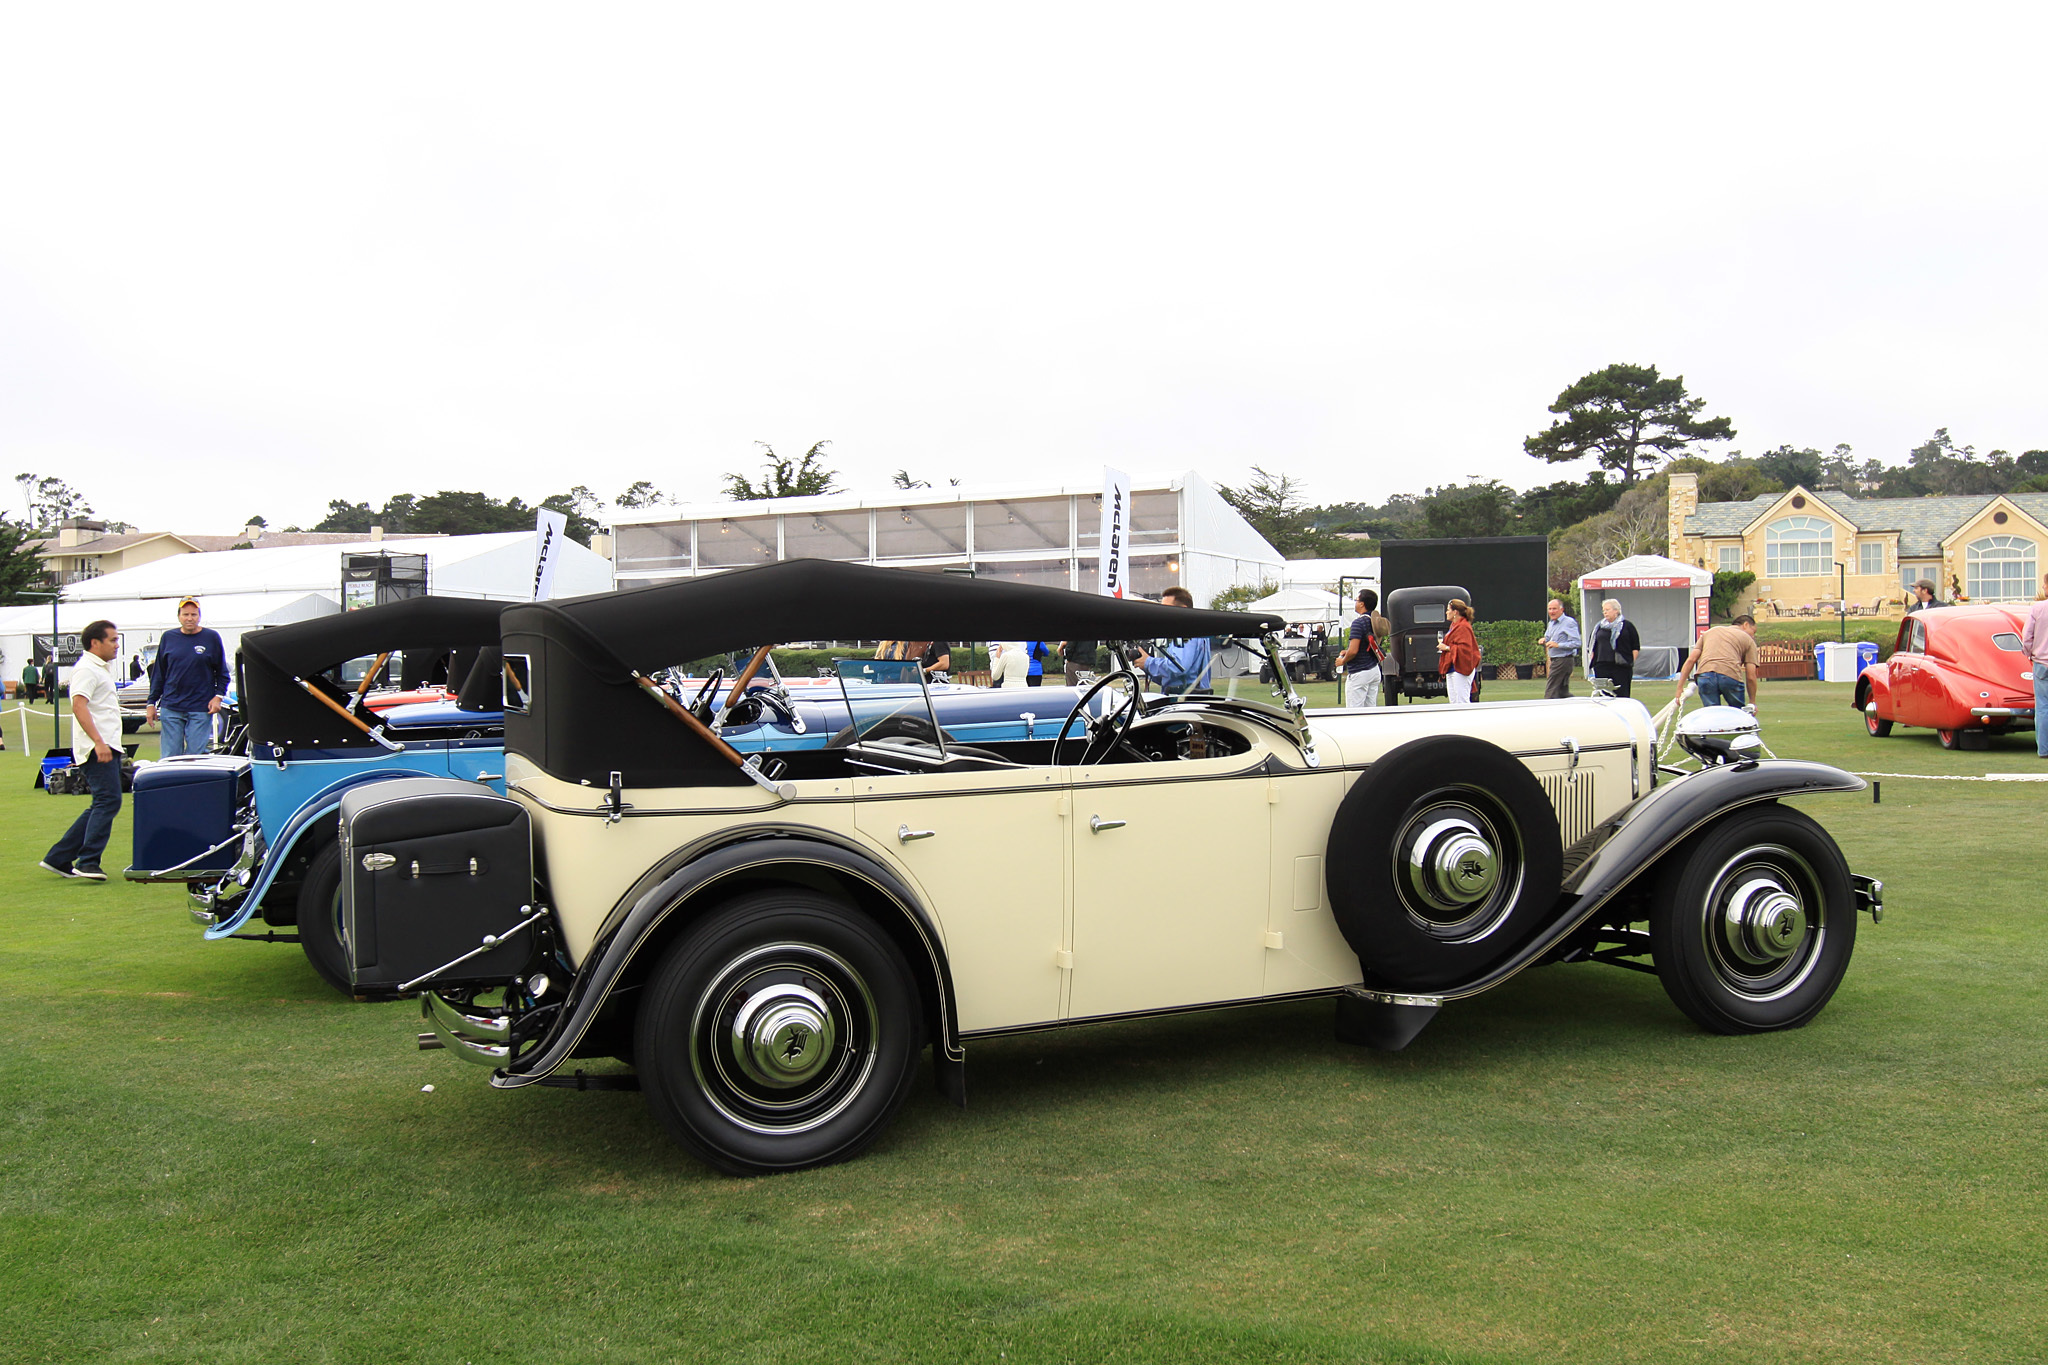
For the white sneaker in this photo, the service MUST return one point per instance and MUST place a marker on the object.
(60, 871)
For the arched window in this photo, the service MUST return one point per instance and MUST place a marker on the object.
(2000, 569)
(1799, 547)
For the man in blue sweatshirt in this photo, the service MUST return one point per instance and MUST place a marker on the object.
(187, 683)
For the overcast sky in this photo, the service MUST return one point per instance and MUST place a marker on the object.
(254, 258)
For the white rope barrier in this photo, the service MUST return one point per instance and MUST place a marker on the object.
(1963, 777)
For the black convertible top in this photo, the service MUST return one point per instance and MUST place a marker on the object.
(585, 721)
(811, 599)
(279, 710)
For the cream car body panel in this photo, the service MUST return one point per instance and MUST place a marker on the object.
(591, 861)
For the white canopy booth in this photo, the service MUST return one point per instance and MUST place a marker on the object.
(1667, 601)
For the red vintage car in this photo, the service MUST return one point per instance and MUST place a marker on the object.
(1959, 671)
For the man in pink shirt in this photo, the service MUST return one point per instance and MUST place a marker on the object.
(2034, 640)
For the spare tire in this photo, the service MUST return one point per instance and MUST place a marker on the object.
(1441, 861)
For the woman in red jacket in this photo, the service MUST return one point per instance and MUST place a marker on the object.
(1457, 658)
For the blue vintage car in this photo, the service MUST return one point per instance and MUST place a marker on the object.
(252, 834)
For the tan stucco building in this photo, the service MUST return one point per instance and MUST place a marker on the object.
(1804, 546)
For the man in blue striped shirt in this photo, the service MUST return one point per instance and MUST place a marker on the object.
(1561, 638)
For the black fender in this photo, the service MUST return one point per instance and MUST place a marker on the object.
(690, 870)
(1629, 843)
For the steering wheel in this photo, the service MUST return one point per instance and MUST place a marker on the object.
(1101, 736)
(710, 685)
(756, 707)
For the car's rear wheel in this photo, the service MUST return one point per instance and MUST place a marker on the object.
(1440, 861)
(1753, 922)
(780, 1032)
(320, 919)
(1878, 728)
(1950, 739)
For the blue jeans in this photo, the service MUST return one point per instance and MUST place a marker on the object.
(184, 732)
(1718, 689)
(2041, 710)
(83, 843)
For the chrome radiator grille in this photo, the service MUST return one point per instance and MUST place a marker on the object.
(1573, 800)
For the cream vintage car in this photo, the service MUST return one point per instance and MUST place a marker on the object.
(772, 940)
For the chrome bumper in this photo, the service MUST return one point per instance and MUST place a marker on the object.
(1996, 712)
(206, 904)
(1869, 893)
(483, 1039)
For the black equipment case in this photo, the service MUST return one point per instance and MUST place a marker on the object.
(433, 866)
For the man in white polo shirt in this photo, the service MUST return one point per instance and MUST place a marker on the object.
(96, 751)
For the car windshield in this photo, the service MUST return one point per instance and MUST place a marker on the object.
(887, 699)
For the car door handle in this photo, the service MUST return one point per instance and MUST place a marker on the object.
(1097, 824)
(904, 834)
(486, 777)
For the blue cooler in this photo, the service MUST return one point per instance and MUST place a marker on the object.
(183, 807)
(1866, 655)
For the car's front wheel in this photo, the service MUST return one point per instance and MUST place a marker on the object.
(1754, 922)
(780, 1032)
(1878, 728)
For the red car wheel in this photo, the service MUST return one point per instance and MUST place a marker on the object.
(1950, 739)
(1878, 728)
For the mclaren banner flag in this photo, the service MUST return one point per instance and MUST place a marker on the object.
(1116, 533)
(548, 530)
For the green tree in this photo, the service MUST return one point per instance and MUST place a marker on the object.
(343, 515)
(1242, 595)
(785, 478)
(1474, 508)
(49, 500)
(1735, 479)
(1791, 468)
(1635, 525)
(901, 479)
(21, 569)
(258, 522)
(642, 494)
(1272, 504)
(1627, 418)
(1557, 505)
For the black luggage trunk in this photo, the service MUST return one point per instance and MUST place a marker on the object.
(432, 867)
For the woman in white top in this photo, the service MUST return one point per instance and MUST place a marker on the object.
(1009, 664)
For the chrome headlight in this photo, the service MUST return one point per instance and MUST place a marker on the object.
(1721, 734)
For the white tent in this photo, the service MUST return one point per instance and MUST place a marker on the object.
(498, 565)
(1666, 599)
(1301, 605)
(142, 621)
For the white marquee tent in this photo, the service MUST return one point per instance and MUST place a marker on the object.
(498, 565)
(143, 620)
(1667, 601)
(244, 590)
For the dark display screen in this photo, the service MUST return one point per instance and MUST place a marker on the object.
(1509, 575)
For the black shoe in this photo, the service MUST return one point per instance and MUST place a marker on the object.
(60, 871)
(91, 874)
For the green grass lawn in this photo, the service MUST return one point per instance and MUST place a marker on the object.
(205, 1155)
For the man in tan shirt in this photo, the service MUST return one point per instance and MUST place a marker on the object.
(1722, 660)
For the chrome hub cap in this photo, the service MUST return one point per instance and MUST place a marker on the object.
(783, 1036)
(1457, 865)
(1766, 922)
